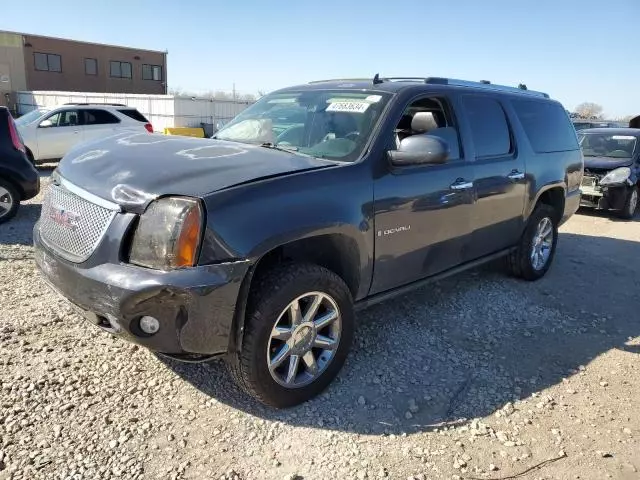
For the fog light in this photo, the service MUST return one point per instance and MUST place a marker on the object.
(149, 325)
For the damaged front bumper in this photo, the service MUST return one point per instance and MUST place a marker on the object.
(195, 307)
(610, 197)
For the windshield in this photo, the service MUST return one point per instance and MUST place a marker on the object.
(607, 145)
(322, 123)
(30, 117)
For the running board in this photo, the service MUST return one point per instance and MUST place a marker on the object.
(396, 292)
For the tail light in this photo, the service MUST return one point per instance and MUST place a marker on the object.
(149, 127)
(15, 136)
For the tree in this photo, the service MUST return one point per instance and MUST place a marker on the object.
(589, 110)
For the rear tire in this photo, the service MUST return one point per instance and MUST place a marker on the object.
(9, 201)
(534, 254)
(630, 205)
(314, 347)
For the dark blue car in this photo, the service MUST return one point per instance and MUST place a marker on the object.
(611, 169)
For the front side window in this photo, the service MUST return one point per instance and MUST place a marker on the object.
(320, 123)
(489, 127)
(429, 116)
(120, 69)
(47, 62)
(607, 145)
(66, 118)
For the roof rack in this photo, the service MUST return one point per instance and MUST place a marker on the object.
(521, 88)
(485, 84)
(96, 103)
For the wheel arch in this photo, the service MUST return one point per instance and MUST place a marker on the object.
(337, 252)
(553, 195)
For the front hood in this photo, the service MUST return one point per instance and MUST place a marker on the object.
(135, 168)
(606, 163)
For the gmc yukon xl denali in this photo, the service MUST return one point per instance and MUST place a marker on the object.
(259, 244)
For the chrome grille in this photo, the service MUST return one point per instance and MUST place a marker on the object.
(72, 225)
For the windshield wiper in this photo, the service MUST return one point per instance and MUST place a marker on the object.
(282, 148)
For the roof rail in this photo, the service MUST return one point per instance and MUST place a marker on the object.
(96, 103)
(485, 84)
(341, 80)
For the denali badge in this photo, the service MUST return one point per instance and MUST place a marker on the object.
(63, 217)
(390, 231)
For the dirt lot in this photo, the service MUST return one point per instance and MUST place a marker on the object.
(480, 376)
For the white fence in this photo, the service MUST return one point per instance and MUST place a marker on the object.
(161, 110)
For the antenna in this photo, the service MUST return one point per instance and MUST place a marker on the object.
(376, 79)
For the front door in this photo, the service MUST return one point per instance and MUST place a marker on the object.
(500, 175)
(422, 214)
(57, 133)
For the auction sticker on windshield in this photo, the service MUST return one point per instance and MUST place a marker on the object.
(356, 107)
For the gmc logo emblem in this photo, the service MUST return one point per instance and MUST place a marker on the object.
(65, 218)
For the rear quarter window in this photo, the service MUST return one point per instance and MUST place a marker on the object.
(135, 114)
(546, 125)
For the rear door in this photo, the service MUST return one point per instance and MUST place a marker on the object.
(57, 133)
(99, 123)
(499, 174)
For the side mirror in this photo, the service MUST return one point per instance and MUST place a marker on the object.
(420, 150)
(46, 124)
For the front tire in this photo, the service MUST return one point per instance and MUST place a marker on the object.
(9, 201)
(298, 332)
(534, 254)
(630, 205)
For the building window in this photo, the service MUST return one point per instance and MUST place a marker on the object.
(90, 66)
(47, 62)
(120, 69)
(152, 72)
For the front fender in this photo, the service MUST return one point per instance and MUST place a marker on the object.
(251, 220)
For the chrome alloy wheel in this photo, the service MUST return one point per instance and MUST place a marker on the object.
(304, 340)
(542, 244)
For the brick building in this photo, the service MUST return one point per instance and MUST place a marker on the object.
(34, 62)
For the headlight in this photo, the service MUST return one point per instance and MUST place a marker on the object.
(619, 175)
(168, 234)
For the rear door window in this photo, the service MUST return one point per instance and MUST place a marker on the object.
(99, 117)
(489, 127)
(135, 114)
(546, 125)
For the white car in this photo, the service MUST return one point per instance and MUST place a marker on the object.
(49, 133)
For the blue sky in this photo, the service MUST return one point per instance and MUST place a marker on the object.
(574, 50)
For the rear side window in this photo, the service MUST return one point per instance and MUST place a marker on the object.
(99, 117)
(547, 126)
(489, 127)
(135, 114)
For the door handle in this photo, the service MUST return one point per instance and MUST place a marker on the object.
(461, 185)
(516, 175)
(76, 131)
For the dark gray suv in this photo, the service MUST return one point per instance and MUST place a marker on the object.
(259, 244)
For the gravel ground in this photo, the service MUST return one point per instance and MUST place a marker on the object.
(479, 376)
